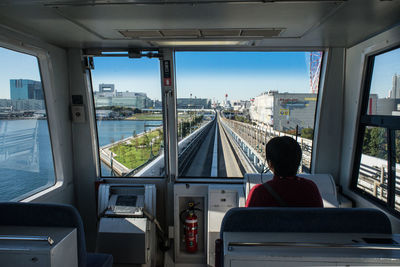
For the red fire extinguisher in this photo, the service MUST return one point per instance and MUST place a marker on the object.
(190, 226)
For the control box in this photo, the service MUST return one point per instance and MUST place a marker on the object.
(124, 230)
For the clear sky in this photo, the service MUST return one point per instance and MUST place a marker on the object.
(241, 75)
(14, 65)
(385, 66)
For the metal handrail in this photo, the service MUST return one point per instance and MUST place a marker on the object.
(48, 239)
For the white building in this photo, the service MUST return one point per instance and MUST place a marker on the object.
(241, 105)
(284, 111)
(261, 109)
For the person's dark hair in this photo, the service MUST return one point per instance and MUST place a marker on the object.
(284, 155)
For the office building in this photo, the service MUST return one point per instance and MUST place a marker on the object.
(284, 111)
(22, 89)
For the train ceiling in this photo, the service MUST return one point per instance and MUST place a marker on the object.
(150, 23)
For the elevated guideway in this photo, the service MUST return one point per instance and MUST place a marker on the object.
(214, 156)
(217, 148)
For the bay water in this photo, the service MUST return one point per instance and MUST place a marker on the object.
(26, 161)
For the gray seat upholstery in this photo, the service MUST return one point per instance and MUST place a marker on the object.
(307, 220)
(56, 215)
(301, 220)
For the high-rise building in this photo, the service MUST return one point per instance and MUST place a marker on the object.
(22, 89)
(395, 92)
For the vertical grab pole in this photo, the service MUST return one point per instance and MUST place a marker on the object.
(168, 88)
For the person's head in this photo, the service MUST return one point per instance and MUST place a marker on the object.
(283, 156)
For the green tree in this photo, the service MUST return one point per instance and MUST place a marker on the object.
(367, 141)
(307, 133)
(377, 144)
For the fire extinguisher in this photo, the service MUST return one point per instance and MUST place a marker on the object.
(190, 227)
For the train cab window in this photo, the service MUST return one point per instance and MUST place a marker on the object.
(26, 160)
(231, 103)
(378, 150)
(127, 97)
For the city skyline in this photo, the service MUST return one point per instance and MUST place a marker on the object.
(242, 75)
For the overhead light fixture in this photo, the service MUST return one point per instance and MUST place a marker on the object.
(202, 34)
(198, 43)
(59, 3)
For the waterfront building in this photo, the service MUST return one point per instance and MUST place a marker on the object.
(107, 96)
(22, 89)
(28, 104)
(22, 105)
(193, 103)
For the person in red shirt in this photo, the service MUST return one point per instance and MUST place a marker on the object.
(285, 189)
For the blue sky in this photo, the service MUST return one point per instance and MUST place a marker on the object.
(14, 65)
(385, 66)
(242, 75)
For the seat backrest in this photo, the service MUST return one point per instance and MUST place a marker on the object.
(51, 215)
(324, 182)
(306, 220)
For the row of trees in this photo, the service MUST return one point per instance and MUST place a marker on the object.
(120, 109)
(244, 119)
(375, 143)
(184, 127)
(307, 133)
(139, 149)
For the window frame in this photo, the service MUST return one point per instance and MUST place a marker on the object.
(89, 61)
(170, 130)
(387, 122)
(325, 53)
(43, 60)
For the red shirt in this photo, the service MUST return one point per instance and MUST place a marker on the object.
(294, 191)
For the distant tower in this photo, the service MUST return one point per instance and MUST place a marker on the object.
(395, 92)
(103, 88)
(315, 70)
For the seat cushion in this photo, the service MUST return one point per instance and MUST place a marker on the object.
(45, 214)
(306, 220)
(99, 260)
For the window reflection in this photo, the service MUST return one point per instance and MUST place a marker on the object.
(26, 162)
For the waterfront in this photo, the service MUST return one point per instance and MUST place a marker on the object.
(26, 162)
(111, 131)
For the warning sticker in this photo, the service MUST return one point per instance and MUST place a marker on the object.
(284, 112)
(310, 99)
(167, 72)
